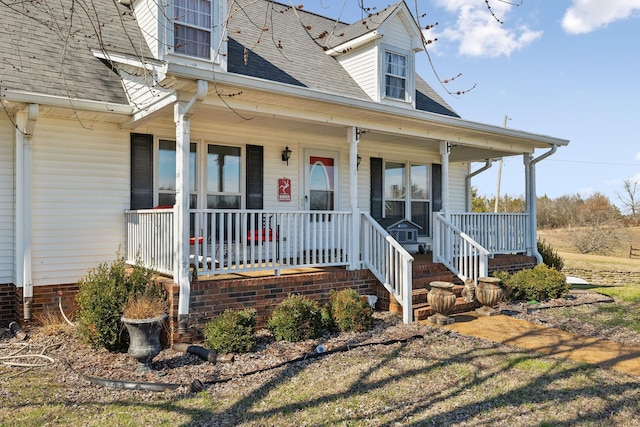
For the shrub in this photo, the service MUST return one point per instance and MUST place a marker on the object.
(349, 311)
(539, 283)
(296, 318)
(231, 331)
(102, 294)
(550, 257)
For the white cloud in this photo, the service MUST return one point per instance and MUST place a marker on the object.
(480, 34)
(584, 16)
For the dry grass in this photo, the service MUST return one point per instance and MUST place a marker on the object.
(145, 307)
(53, 323)
(617, 260)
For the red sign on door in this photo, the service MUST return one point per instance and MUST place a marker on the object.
(284, 190)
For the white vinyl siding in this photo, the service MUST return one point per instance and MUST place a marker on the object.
(7, 202)
(396, 34)
(147, 14)
(361, 65)
(457, 192)
(80, 192)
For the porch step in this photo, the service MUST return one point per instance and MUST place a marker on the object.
(423, 310)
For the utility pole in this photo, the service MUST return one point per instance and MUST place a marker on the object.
(495, 205)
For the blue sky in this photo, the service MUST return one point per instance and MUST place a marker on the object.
(568, 69)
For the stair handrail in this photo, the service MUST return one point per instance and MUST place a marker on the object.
(389, 262)
(452, 247)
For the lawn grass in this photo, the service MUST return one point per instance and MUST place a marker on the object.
(442, 379)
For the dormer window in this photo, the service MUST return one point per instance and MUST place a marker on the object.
(192, 27)
(395, 75)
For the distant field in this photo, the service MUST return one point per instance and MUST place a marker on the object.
(618, 259)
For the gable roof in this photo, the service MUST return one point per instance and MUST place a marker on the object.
(287, 45)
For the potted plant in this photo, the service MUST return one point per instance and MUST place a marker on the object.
(143, 316)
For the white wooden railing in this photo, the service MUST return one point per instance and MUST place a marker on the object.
(499, 233)
(251, 240)
(225, 241)
(389, 262)
(458, 251)
(150, 238)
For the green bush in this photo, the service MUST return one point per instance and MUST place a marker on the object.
(550, 256)
(539, 283)
(297, 318)
(349, 311)
(231, 331)
(102, 294)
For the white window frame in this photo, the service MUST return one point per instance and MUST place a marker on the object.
(407, 197)
(201, 192)
(409, 79)
(181, 20)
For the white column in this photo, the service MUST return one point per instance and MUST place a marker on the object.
(445, 150)
(181, 210)
(354, 252)
(25, 121)
(529, 183)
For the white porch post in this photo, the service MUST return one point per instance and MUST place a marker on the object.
(181, 211)
(182, 117)
(25, 125)
(445, 150)
(354, 251)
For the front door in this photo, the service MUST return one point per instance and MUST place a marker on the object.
(321, 196)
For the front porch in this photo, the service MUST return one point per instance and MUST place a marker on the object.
(262, 290)
(283, 248)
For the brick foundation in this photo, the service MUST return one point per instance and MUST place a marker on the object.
(211, 297)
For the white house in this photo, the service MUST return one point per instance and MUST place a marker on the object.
(212, 139)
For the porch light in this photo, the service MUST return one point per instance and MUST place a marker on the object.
(358, 160)
(286, 155)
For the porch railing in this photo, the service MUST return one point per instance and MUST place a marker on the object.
(150, 238)
(499, 233)
(228, 241)
(458, 251)
(389, 262)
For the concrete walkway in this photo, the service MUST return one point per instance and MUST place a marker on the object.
(520, 333)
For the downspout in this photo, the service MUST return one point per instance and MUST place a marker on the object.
(533, 225)
(182, 118)
(467, 183)
(24, 201)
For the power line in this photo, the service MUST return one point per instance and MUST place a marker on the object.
(593, 163)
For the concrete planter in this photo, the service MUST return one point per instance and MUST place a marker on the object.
(442, 300)
(144, 340)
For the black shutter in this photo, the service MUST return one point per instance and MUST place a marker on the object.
(436, 187)
(255, 176)
(141, 171)
(376, 187)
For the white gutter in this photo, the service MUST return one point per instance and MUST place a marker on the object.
(467, 181)
(11, 95)
(533, 225)
(181, 71)
(23, 209)
(182, 113)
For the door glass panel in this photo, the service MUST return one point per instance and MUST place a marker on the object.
(394, 180)
(167, 173)
(321, 183)
(419, 182)
(420, 215)
(223, 177)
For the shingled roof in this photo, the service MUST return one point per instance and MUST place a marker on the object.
(48, 50)
(277, 42)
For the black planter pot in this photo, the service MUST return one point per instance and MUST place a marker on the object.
(144, 340)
